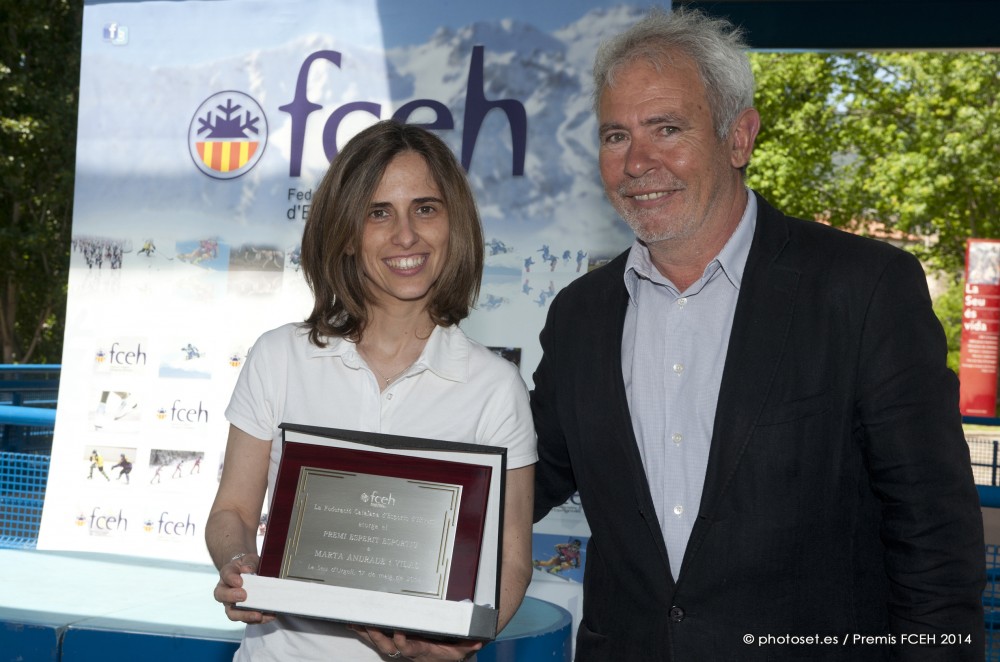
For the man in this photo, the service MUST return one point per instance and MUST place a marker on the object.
(97, 462)
(124, 468)
(754, 409)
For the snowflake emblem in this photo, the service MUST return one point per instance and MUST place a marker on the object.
(227, 134)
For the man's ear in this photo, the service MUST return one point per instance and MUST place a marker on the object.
(743, 136)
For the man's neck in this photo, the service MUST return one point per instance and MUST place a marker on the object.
(683, 260)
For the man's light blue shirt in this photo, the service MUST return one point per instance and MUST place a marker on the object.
(673, 351)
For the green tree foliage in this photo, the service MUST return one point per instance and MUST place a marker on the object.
(39, 82)
(794, 161)
(909, 139)
(948, 307)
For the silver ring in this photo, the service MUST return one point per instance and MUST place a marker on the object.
(395, 655)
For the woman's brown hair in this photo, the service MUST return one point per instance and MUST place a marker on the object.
(331, 241)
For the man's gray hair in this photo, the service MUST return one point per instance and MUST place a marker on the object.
(716, 46)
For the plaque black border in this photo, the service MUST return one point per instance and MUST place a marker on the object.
(474, 478)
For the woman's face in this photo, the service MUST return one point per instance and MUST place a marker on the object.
(405, 242)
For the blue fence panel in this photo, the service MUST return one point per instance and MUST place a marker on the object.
(28, 395)
(991, 603)
(984, 450)
(32, 385)
(22, 493)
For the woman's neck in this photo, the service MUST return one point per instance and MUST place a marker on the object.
(392, 343)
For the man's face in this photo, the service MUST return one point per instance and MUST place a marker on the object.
(664, 168)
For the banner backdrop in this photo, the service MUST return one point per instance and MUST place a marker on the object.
(979, 356)
(203, 128)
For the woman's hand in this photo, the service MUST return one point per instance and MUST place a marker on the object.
(230, 590)
(402, 647)
(232, 523)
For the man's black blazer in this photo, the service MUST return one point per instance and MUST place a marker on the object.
(838, 500)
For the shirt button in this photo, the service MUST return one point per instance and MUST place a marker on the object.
(682, 302)
(388, 396)
(676, 614)
(678, 368)
(676, 438)
(678, 510)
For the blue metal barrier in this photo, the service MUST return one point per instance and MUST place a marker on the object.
(984, 450)
(991, 603)
(25, 448)
(28, 416)
(989, 496)
(28, 395)
(26, 429)
(22, 493)
(34, 385)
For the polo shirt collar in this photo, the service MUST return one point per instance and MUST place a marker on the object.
(446, 353)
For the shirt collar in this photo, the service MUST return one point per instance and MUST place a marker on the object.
(446, 353)
(732, 259)
(733, 256)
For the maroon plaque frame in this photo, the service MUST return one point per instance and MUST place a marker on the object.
(384, 459)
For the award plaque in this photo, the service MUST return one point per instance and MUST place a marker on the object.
(397, 539)
(383, 530)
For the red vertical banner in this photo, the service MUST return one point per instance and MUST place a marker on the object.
(980, 328)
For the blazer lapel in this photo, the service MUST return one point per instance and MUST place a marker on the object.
(760, 326)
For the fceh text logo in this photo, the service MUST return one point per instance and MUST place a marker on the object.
(184, 413)
(170, 525)
(126, 354)
(103, 522)
(229, 129)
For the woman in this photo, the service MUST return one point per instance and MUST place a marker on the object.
(393, 253)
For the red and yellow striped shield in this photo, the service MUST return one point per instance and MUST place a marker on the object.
(225, 156)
